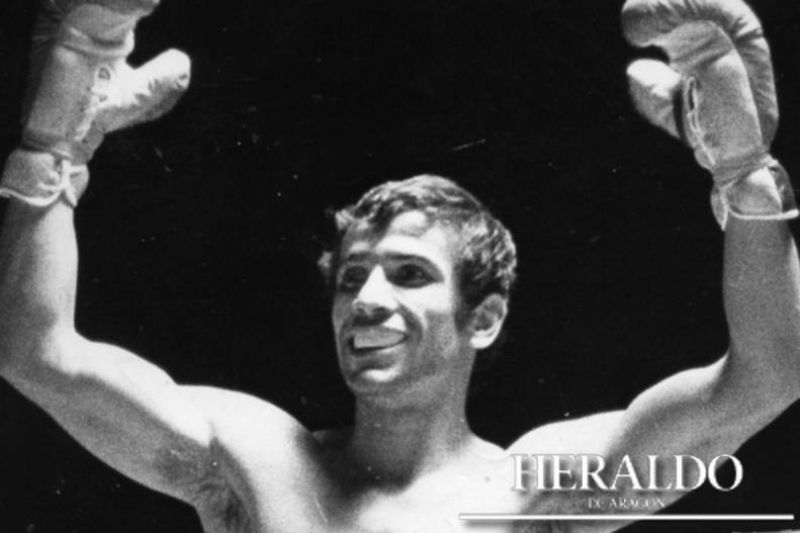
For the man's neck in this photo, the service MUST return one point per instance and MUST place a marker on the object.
(397, 444)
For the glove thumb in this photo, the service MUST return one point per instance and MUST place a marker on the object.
(145, 93)
(654, 87)
(134, 96)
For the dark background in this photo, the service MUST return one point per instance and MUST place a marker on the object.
(199, 234)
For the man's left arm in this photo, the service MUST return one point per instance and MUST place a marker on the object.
(713, 410)
(761, 287)
(720, 71)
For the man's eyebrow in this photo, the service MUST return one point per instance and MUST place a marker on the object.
(355, 257)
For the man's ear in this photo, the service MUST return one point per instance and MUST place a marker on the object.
(487, 320)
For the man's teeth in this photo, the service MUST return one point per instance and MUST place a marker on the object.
(376, 338)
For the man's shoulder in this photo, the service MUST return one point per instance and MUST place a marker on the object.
(584, 435)
(240, 420)
(256, 446)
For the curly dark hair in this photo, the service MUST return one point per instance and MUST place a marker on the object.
(487, 258)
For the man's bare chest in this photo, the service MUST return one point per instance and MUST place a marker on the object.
(314, 501)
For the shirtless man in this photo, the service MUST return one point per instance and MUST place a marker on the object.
(421, 280)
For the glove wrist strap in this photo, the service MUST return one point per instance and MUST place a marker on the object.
(40, 179)
(762, 192)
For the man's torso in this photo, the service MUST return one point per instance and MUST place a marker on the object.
(268, 479)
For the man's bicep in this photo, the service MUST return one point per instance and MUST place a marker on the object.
(680, 414)
(124, 410)
(705, 412)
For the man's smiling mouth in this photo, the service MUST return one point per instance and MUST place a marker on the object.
(376, 338)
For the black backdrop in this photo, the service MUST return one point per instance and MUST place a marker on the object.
(199, 234)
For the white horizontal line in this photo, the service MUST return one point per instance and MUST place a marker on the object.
(497, 517)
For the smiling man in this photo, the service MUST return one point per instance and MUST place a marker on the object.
(421, 278)
(422, 270)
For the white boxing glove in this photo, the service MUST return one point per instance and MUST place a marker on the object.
(81, 88)
(717, 93)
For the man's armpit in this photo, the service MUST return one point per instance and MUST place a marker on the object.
(182, 467)
(219, 506)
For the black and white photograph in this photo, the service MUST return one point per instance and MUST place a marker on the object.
(405, 266)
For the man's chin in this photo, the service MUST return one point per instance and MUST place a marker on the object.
(374, 381)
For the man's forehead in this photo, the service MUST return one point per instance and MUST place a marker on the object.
(411, 229)
(411, 223)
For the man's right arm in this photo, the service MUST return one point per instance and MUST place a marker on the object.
(123, 409)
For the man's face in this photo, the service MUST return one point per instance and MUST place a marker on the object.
(395, 308)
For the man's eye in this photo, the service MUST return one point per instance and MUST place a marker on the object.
(352, 278)
(412, 276)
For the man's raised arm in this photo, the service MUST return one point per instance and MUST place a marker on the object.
(720, 76)
(717, 94)
(123, 409)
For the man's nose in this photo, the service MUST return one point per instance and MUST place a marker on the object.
(376, 297)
